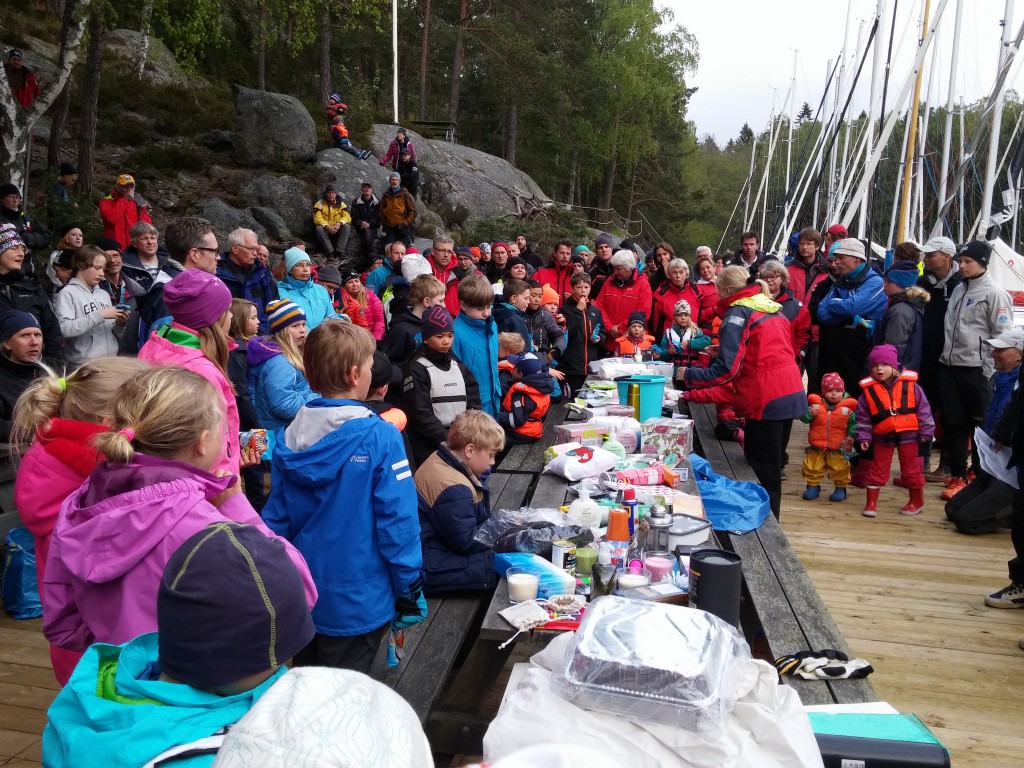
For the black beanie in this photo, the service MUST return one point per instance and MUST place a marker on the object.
(231, 604)
(978, 250)
(107, 244)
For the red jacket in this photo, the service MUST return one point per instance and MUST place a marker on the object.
(28, 91)
(619, 299)
(803, 278)
(665, 298)
(119, 214)
(557, 277)
(708, 293)
(451, 284)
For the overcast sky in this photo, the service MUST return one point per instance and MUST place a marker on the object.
(747, 47)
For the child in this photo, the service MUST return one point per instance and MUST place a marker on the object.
(636, 339)
(902, 325)
(508, 344)
(584, 328)
(510, 315)
(155, 489)
(381, 376)
(833, 420)
(339, 136)
(342, 492)
(403, 337)
(59, 418)
(893, 415)
(231, 613)
(245, 325)
(369, 305)
(454, 502)
(298, 287)
(83, 309)
(438, 385)
(476, 341)
(683, 340)
(526, 403)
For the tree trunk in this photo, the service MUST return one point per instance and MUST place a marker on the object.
(325, 56)
(18, 122)
(424, 60)
(460, 35)
(90, 101)
(573, 176)
(144, 29)
(511, 132)
(261, 50)
(609, 184)
(61, 107)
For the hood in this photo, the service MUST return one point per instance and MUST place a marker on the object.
(750, 297)
(915, 299)
(70, 441)
(472, 322)
(302, 286)
(856, 276)
(541, 381)
(324, 435)
(260, 350)
(503, 310)
(124, 511)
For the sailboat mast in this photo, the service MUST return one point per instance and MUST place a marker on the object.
(997, 118)
(819, 160)
(789, 142)
(901, 233)
(947, 138)
(877, 68)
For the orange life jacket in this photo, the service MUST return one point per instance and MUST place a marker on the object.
(895, 410)
(830, 427)
(397, 417)
(534, 424)
(627, 346)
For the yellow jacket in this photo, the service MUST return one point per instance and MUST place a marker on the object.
(325, 214)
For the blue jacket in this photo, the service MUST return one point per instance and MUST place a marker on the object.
(381, 277)
(313, 298)
(88, 728)
(254, 283)
(510, 319)
(277, 389)
(476, 345)
(343, 494)
(453, 504)
(856, 298)
(1002, 388)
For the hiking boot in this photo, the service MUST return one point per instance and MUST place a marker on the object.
(812, 492)
(1007, 597)
(915, 504)
(839, 494)
(953, 487)
(938, 475)
(871, 505)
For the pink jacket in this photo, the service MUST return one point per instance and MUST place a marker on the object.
(113, 539)
(161, 351)
(374, 314)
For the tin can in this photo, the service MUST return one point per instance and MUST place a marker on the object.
(563, 555)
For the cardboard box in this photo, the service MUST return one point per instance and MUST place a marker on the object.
(667, 436)
(587, 434)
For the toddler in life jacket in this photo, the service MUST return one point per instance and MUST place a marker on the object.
(832, 416)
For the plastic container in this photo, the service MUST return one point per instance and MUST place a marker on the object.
(687, 530)
(584, 511)
(632, 577)
(651, 390)
(661, 369)
(651, 661)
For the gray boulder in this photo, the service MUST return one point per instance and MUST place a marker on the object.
(271, 219)
(271, 126)
(292, 198)
(161, 66)
(347, 173)
(225, 219)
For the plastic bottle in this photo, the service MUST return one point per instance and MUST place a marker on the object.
(584, 511)
(603, 574)
(618, 536)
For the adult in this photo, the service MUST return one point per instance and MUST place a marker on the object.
(121, 289)
(21, 79)
(146, 254)
(849, 308)
(400, 143)
(559, 270)
(776, 277)
(750, 256)
(22, 292)
(397, 212)
(500, 254)
(526, 252)
(663, 254)
(33, 234)
(941, 275)
(366, 217)
(380, 279)
(978, 309)
(833, 235)
(601, 266)
(333, 223)
(241, 271)
(807, 269)
(985, 505)
(409, 171)
(70, 237)
(581, 251)
(516, 269)
(121, 209)
(442, 265)
(624, 293)
(707, 288)
(67, 178)
(298, 287)
(756, 356)
(902, 325)
(21, 349)
(676, 286)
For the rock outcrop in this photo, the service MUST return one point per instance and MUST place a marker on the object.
(271, 126)
(292, 198)
(161, 66)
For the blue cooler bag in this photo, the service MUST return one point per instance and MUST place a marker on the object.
(21, 587)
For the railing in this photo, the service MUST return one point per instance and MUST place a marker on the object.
(637, 229)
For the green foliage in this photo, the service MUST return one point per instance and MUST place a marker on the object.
(542, 233)
(157, 160)
(174, 111)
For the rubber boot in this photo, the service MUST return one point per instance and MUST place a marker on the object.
(839, 494)
(812, 492)
(871, 505)
(916, 503)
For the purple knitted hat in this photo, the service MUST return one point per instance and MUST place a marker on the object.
(196, 299)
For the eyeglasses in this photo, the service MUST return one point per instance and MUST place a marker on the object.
(204, 248)
(250, 248)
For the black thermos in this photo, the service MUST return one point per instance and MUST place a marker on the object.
(715, 578)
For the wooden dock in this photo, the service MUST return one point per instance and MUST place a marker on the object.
(907, 593)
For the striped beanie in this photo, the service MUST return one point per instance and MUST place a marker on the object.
(282, 313)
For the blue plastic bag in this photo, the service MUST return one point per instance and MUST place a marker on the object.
(21, 587)
(731, 505)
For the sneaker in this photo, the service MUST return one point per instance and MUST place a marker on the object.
(953, 487)
(937, 475)
(1007, 597)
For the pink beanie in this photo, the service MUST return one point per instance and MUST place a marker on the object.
(884, 353)
(196, 299)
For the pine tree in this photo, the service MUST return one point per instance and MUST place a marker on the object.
(804, 114)
(746, 135)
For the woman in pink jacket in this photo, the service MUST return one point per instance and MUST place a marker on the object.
(157, 487)
(57, 419)
(198, 339)
(372, 309)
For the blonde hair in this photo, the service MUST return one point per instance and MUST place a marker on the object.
(239, 310)
(476, 428)
(360, 296)
(289, 349)
(424, 287)
(214, 345)
(732, 279)
(331, 350)
(511, 343)
(160, 412)
(86, 394)
(475, 292)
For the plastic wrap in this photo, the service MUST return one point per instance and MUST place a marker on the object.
(650, 661)
(529, 530)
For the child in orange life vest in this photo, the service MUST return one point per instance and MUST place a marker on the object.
(381, 376)
(636, 339)
(684, 340)
(893, 415)
(339, 135)
(832, 416)
(526, 403)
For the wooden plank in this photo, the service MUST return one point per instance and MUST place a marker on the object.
(551, 491)
(514, 494)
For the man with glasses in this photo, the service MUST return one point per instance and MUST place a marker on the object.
(122, 209)
(244, 274)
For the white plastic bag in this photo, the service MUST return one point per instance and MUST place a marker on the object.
(576, 462)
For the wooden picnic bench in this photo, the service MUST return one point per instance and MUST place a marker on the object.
(780, 601)
(437, 129)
